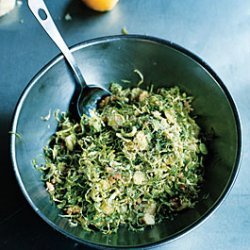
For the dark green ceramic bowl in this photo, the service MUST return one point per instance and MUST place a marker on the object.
(111, 59)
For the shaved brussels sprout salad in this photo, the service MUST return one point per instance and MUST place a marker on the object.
(136, 161)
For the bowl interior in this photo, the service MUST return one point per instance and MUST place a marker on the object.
(110, 60)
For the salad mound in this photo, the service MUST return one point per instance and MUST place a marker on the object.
(137, 160)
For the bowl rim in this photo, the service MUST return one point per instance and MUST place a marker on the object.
(149, 39)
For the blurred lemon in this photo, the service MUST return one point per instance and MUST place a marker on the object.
(101, 5)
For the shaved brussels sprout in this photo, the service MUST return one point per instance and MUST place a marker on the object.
(137, 160)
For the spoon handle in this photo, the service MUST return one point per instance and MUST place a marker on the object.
(40, 11)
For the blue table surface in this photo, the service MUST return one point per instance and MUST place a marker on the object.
(217, 31)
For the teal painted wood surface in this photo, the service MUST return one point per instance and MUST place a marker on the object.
(217, 31)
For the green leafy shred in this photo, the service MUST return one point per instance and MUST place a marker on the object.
(46, 117)
(17, 135)
(135, 161)
(124, 31)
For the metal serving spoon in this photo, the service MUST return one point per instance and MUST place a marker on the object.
(88, 95)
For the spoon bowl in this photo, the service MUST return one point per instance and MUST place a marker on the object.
(88, 100)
